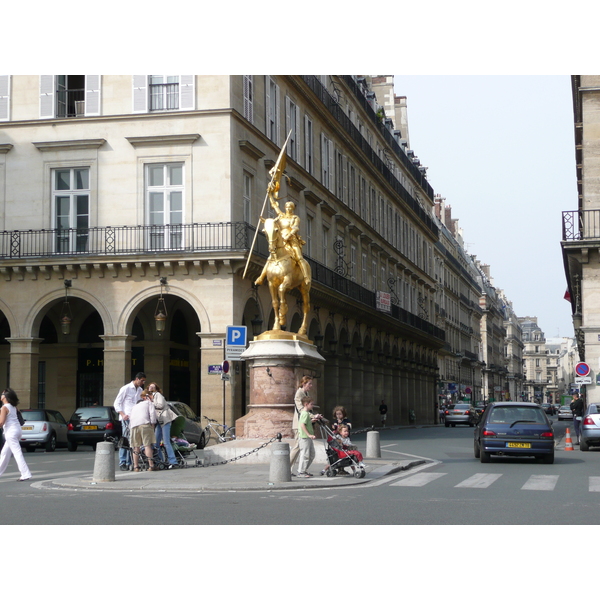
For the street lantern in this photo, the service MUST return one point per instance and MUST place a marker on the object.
(161, 314)
(66, 317)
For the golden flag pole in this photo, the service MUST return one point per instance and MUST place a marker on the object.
(278, 168)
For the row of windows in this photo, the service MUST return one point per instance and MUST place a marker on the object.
(337, 173)
(64, 96)
(164, 205)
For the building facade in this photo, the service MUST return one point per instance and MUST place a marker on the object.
(124, 198)
(581, 229)
(458, 312)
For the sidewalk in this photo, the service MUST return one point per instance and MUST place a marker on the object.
(233, 477)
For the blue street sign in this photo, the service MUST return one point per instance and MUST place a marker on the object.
(236, 336)
(235, 342)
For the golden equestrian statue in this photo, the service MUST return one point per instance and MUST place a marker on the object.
(285, 268)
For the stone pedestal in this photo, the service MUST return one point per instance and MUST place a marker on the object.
(277, 361)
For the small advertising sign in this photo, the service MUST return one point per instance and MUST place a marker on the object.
(384, 301)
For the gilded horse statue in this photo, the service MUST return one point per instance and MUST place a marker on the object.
(284, 272)
(286, 268)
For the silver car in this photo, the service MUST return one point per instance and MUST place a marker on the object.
(43, 428)
(590, 428)
(565, 413)
(461, 414)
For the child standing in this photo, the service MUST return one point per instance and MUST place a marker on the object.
(306, 435)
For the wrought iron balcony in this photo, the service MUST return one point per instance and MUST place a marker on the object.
(192, 238)
(113, 241)
(581, 225)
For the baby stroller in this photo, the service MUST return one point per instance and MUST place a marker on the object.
(338, 457)
(184, 451)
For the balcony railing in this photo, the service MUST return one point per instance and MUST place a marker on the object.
(110, 241)
(581, 225)
(180, 239)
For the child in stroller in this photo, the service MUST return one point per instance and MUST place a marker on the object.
(184, 451)
(342, 453)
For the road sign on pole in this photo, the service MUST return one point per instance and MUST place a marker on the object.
(235, 341)
(582, 369)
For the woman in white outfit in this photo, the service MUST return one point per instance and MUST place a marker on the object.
(12, 434)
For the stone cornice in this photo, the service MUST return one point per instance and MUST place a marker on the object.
(55, 145)
(163, 140)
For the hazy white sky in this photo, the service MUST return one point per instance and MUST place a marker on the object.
(500, 150)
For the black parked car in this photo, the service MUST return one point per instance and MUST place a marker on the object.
(514, 429)
(89, 424)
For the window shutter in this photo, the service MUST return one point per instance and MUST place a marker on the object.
(345, 179)
(46, 96)
(331, 167)
(140, 93)
(248, 93)
(92, 95)
(323, 160)
(277, 115)
(267, 105)
(287, 122)
(187, 92)
(298, 136)
(4, 97)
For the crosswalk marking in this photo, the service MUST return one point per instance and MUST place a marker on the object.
(419, 480)
(541, 483)
(479, 480)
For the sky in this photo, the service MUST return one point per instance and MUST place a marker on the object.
(500, 150)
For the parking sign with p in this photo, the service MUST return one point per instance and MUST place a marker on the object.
(235, 341)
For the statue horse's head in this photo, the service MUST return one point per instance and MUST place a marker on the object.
(272, 232)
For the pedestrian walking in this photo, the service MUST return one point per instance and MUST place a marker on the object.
(577, 408)
(164, 417)
(383, 412)
(12, 435)
(126, 399)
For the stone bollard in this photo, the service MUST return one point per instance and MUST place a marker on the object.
(280, 463)
(373, 447)
(104, 464)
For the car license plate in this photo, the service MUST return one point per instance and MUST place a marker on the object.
(517, 445)
(90, 427)
(26, 428)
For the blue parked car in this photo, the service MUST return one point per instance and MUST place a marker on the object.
(514, 429)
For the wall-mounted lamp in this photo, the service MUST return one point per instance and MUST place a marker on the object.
(333, 346)
(360, 351)
(65, 316)
(347, 349)
(161, 314)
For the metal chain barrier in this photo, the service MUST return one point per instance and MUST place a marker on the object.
(224, 462)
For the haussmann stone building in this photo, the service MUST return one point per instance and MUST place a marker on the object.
(128, 207)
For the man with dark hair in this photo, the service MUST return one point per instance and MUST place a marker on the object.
(126, 399)
(577, 408)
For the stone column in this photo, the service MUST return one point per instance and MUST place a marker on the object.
(117, 364)
(216, 399)
(24, 358)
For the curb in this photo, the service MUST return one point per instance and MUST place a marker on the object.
(150, 484)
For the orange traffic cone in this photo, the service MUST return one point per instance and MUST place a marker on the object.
(568, 443)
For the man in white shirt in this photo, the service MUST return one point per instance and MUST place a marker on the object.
(126, 399)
